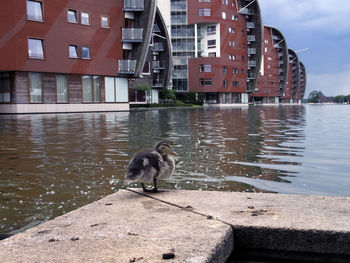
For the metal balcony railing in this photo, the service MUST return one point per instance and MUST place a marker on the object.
(157, 84)
(251, 63)
(157, 47)
(134, 5)
(251, 76)
(250, 25)
(158, 65)
(126, 66)
(132, 34)
(251, 51)
(247, 11)
(251, 38)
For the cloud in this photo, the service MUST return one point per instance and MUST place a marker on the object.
(329, 84)
(312, 15)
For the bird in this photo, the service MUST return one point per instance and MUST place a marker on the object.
(150, 165)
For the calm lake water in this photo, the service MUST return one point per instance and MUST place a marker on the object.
(52, 164)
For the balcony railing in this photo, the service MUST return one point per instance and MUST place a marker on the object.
(126, 66)
(251, 51)
(251, 76)
(158, 65)
(134, 5)
(251, 63)
(132, 34)
(251, 38)
(157, 85)
(157, 47)
(247, 11)
(250, 25)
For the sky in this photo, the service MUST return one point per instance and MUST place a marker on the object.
(322, 27)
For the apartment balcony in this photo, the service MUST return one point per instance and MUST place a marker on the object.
(251, 38)
(277, 38)
(126, 66)
(133, 35)
(280, 62)
(178, 6)
(134, 5)
(156, 65)
(280, 54)
(251, 76)
(157, 47)
(250, 25)
(280, 70)
(278, 46)
(251, 51)
(251, 63)
(281, 78)
(156, 29)
(247, 11)
(157, 84)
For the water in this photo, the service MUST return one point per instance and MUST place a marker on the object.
(52, 164)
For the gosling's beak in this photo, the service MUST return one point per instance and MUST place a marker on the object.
(173, 153)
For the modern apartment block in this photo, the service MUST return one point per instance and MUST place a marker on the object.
(274, 71)
(293, 84)
(79, 55)
(217, 48)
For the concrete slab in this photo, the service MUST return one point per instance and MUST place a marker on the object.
(317, 224)
(123, 227)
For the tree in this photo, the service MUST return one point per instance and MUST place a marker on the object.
(167, 94)
(340, 99)
(314, 96)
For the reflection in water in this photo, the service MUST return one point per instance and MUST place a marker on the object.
(51, 164)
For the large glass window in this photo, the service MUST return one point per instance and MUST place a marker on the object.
(5, 95)
(109, 89)
(35, 48)
(87, 88)
(62, 88)
(96, 84)
(35, 87)
(34, 10)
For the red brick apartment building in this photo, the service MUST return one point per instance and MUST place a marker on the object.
(216, 48)
(274, 70)
(222, 50)
(290, 94)
(80, 55)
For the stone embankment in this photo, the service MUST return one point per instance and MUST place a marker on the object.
(191, 226)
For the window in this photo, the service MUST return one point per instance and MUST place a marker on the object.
(225, 2)
(223, 15)
(105, 21)
(224, 83)
(205, 68)
(206, 1)
(86, 84)
(235, 84)
(231, 30)
(224, 70)
(116, 89)
(204, 11)
(72, 16)
(269, 58)
(211, 30)
(84, 18)
(73, 51)
(266, 50)
(231, 57)
(35, 48)
(235, 18)
(91, 88)
(205, 82)
(235, 71)
(62, 88)
(34, 10)
(147, 68)
(266, 41)
(5, 90)
(212, 43)
(231, 43)
(85, 52)
(35, 87)
(212, 54)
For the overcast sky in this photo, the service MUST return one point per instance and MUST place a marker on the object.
(323, 26)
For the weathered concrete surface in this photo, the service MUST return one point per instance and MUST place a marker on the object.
(122, 227)
(298, 223)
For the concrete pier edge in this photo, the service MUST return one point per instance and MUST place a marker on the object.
(194, 226)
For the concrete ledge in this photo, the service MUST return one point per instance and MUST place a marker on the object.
(123, 227)
(195, 226)
(298, 223)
